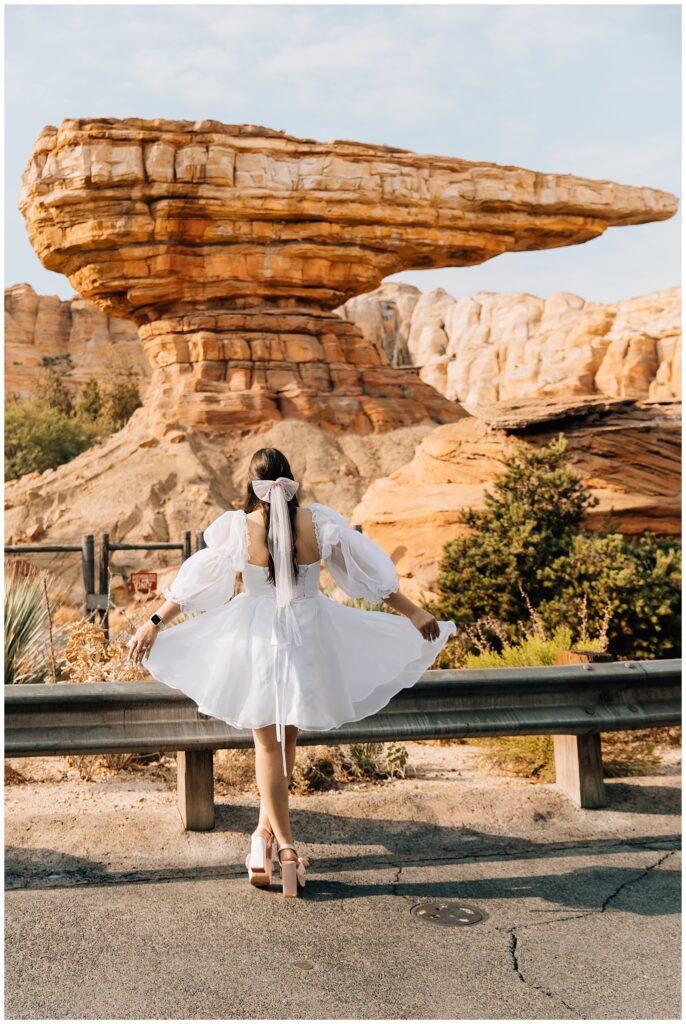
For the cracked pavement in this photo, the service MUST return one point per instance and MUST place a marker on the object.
(113, 911)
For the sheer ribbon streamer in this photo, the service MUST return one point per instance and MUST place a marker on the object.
(285, 627)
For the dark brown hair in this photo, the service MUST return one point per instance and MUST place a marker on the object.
(268, 464)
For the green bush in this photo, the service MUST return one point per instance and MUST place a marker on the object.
(38, 437)
(638, 583)
(46, 430)
(531, 650)
(528, 547)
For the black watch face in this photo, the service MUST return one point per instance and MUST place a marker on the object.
(156, 619)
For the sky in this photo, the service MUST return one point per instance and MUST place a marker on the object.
(591, 90)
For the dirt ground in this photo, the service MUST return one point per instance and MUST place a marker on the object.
(58, 825)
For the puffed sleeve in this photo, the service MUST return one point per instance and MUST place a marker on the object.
(206, 579)
(358, 564)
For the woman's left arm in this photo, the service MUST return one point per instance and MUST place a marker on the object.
(424, 621)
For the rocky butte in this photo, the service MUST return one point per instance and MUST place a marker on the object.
(230, 245)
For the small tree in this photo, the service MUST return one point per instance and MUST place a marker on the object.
(528, 547)
(90, 400)
(537, 506)
(52, 391)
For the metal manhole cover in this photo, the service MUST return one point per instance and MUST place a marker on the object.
(448, 913)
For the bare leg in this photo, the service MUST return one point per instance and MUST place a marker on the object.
(273, 784)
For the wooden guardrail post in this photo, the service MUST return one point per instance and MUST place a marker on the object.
(579, 759)
(195, 788)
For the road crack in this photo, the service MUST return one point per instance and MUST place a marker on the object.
(530, 984)
(514, 941)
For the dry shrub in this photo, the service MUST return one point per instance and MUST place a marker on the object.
(234, 770)
(157, 765)
(13, 777)
(90, 657)
(636, 752)
(531, 757)
(317, 768)
(324, 767)
(625, 753)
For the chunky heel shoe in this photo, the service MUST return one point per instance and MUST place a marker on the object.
(293, 872)
(259, 861)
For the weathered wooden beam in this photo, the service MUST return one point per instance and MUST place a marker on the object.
(195, 788)
(579, 759)
(579, 769)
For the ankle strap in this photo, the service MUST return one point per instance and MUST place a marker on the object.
(285, 846)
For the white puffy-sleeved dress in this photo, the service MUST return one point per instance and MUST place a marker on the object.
(235, 664)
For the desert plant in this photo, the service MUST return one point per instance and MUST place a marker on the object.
(29, 643)
(90, 400)
(53, 392)
(119, 403)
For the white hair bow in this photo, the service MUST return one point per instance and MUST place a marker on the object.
(279, 539)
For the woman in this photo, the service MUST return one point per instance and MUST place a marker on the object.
(280, 656)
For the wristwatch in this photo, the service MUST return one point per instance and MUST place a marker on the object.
(156, 619)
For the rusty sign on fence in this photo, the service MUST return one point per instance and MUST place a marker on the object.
(142, 582)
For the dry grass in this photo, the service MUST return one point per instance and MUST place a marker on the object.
(317, 768)
(632, 752)
(89, 657)
(13, 777)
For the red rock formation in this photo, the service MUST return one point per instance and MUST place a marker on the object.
(230, 245)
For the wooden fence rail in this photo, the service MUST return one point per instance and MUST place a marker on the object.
(97, 601)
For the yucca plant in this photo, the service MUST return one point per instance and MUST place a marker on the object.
(29, 640)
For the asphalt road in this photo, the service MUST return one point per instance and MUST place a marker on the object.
(581, 909)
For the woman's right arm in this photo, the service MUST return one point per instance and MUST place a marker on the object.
(204, 581)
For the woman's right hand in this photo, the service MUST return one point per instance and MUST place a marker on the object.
(141, 643)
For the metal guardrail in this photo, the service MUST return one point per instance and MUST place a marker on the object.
(574, 701)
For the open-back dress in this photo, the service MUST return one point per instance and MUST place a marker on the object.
(237, 666)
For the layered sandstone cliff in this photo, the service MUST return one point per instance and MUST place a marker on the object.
(474, 349)
(499, 347)
(72, 335)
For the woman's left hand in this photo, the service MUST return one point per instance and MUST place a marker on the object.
(426, 623)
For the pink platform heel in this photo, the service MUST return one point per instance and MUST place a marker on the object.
(259, 861)
(293, 872)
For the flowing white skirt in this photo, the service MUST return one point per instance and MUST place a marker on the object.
(350, 663)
